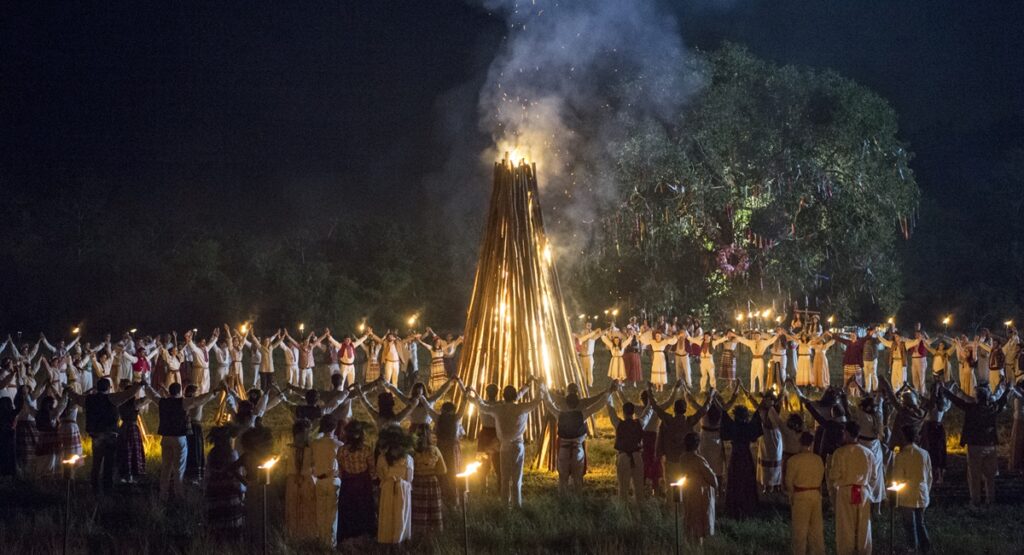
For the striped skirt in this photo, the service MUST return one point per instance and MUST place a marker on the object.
(427, 510)
(25, 437)
(372, 371)
(438, 374)
(70, 438)
(131, 453)
(727, 365)
(451, 452)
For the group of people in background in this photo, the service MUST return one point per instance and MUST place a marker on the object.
(731, 442)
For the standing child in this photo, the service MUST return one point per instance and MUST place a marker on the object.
(225, 489)
(429, 464)
(300, 490)
(395, 472)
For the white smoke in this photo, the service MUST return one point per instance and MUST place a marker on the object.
(567, 80)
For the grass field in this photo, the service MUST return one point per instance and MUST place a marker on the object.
(133, 521)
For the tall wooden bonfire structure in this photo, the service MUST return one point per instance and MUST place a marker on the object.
(516, 326)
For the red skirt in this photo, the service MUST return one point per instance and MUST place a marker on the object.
(652, 462)
(632, 364)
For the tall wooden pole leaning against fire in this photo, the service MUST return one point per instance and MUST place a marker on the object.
(516, 325)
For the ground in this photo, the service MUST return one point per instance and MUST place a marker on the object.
(133, 521)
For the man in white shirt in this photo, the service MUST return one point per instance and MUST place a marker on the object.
(850, 474)
(346, 352)
(757, 347)
(201, 359)
(510, 420)
(804, 474)
(325, 469)
(586, 339)
(913, 467)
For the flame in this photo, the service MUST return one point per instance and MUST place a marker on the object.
(947, 320)
(767, 313)
(244, 328)
(471, 469)
(412, 320)
(679, 483)
(75, 330)
(897, 486)
(72, 459)
(269, 463)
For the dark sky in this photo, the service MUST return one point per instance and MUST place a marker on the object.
(287, 111)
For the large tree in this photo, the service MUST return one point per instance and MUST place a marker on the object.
(779, 183)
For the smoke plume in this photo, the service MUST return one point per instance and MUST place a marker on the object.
(568, 80)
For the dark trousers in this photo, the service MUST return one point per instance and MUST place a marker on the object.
(195, 460)
(266, 381)
(913, 524)
(104, 458)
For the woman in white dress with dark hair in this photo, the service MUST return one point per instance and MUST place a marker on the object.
(659, 367)
(616, 346)
(395, 471)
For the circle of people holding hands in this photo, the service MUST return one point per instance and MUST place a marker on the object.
(844, 446)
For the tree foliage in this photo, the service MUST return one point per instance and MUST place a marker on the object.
(799, 173)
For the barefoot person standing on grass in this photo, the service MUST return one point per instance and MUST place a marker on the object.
(510, 419)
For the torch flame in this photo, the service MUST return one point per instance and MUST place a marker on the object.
(897, 486)
(269, 463)
(72, 459)
(679, 483)
(471, 469)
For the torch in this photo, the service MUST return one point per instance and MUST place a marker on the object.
(945, 323)
(471, 469)
(678, 498)
(268, 465)
(895, 488)
(69, 467)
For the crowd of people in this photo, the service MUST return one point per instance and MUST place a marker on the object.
(730, 442)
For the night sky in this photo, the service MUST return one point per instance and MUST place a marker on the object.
(266, 116)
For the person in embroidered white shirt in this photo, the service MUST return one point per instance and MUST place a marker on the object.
(510, 418)
(291, 359)
(346, 349)
(913, 467)
(851, 471)
(757, 347)
(222, 359)
(707, 360)
(659, 367)
(201, 359)
(587, 338)
(324, 449)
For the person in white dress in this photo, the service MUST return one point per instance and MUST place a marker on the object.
(395, 472)
(819, 368)
(659, 368)
(616, 347)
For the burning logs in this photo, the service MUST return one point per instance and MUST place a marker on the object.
(516, 327)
